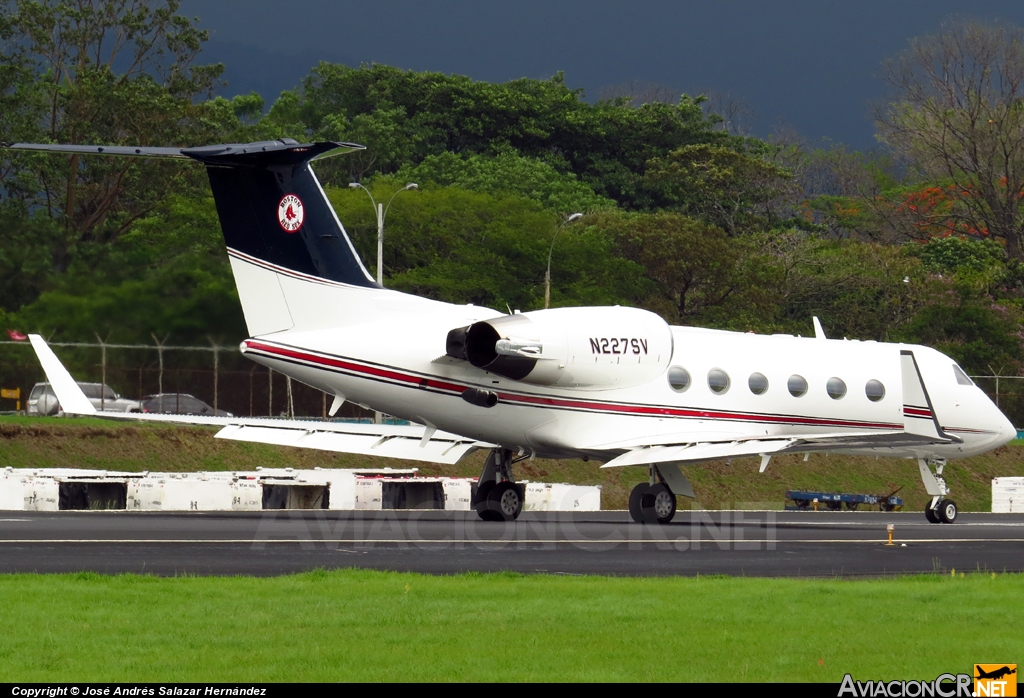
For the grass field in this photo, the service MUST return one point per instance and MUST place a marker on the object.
(109, 445)
(377, 626)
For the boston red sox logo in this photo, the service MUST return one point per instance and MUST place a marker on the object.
(290, 213)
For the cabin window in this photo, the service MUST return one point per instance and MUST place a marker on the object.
(836, 388)
(874, 390)
(678, 378)
(718, 381)
(961, 377)
(758, 383)
(797, 385)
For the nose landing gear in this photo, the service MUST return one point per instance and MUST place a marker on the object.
(939, 509)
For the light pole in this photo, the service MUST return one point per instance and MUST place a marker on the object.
(381, 211)
(547, 275)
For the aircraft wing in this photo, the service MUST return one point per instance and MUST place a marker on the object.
(409, 442)
(696, 452)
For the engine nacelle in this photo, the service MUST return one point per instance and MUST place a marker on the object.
(591, 348)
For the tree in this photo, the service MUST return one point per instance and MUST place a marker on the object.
(696, 274)
(724, 186)
(507, 173)
(463, 246)
(958, 118)
(99, 71)
(406, 116)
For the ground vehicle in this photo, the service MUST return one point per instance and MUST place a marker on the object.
(611, 384)
(43, 401)
(179, 403)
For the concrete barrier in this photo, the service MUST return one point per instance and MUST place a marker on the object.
(29, 493)
(1007, 495)
(556, 496)
(52, 489)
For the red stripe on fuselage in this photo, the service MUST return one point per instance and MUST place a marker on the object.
(419, 381)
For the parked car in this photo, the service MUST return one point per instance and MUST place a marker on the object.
(179, 403)
(43, 401)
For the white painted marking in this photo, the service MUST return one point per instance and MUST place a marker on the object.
(491, 541)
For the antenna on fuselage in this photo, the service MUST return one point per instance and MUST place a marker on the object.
(818, 332)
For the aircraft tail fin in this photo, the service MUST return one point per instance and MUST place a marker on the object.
(280, 230)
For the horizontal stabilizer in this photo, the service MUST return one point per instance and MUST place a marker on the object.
(387, 440)
(71, 398)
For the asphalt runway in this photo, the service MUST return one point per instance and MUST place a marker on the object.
(742, 543)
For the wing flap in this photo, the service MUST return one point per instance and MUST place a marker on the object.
(447, 450)
(693, 453)
(801, 443)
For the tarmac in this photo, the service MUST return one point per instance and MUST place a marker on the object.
(738, 543)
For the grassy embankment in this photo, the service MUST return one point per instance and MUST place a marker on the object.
(353, 625)
(108, 445)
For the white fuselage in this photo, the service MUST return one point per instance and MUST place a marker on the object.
(386, 351)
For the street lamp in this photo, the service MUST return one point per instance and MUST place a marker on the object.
(382, 211)
(547, 275)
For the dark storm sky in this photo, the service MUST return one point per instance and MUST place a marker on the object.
(808, 66)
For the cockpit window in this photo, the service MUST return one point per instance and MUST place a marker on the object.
(961, 377)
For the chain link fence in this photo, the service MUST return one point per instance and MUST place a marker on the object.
(218, 375)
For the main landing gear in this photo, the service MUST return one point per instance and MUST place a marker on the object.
(654, 501)
(497, 496)
(939, 509)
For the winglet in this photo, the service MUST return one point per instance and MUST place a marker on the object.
(71, 398)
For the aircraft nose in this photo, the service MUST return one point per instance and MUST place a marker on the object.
(1007, 432)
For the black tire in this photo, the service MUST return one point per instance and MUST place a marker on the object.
(480, 505)
(658, 505)
(505, 502)
(802, 503)
(834, 506)
(635, 497)
(931, 514)
(948, 511)
(852, 506)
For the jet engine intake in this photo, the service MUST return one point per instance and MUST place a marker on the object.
(592, 348)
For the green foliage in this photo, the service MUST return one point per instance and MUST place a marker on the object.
(981, 333)
(405, 116)
(472, 247)
(507, 173)
(168, 276)
(695, 274)
(724, 186)
(960, 254)
(859, 290)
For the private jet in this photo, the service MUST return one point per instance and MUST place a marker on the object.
(616, 385)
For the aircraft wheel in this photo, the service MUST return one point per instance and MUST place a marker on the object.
(481, 507)
(931, 514)
(658, 505)
(635, 498)
(504, 502)
(947, 511)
